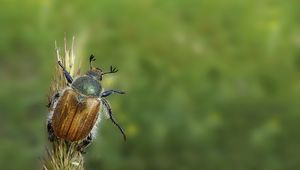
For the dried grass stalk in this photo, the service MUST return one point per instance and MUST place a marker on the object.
(61, 154)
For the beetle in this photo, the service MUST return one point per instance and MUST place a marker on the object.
(75, 111)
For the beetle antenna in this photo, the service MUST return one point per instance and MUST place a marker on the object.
(112, 70)
(92, 58)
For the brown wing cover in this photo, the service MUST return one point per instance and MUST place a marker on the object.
(73, 120)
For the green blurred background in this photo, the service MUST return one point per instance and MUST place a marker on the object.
(211, 85)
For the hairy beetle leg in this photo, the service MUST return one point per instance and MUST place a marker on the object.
(66, 73)
(52, 100)
(51, 135)
(106, 104)
(84, 144)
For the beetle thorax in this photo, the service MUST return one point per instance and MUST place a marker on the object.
(87, 86)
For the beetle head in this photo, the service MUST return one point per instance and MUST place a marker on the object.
(95, 73)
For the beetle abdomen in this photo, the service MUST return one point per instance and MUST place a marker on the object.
(72, 119)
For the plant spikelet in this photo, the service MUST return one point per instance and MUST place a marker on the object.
(61, 154)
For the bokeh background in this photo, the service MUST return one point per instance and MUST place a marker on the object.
(212, 85)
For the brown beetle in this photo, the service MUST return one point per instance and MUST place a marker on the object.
(74, 112)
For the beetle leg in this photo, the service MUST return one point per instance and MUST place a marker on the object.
(66, 73)
(109, 92)
(106, 104)
(84, 144)
(50, 105)
(51, 135)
